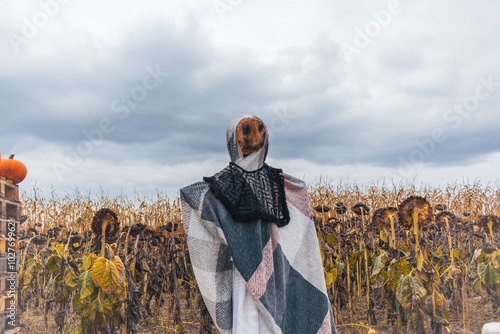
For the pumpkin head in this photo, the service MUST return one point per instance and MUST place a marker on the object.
(12, 169)
(251, 135)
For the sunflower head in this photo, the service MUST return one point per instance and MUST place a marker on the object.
(382, 217)
(340, 208)
(103, 216)
(486, 220)
(415, 205)
(322, 208)
(361, 209)
(441, 221)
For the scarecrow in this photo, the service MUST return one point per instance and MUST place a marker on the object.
(253, 243)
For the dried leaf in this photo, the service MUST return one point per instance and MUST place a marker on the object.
(410, 291)
(87, 285)
(70, 279)
(108, 275)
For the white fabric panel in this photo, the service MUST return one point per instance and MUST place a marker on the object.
(246, 317)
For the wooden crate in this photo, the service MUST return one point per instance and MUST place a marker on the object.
(8, 245)
(8, 225)
(5, 303)
(6, 326)
(9, 264)
(6, 282)
(9, 190)
(9, 209)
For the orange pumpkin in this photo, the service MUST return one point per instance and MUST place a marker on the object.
(12, 169)
(251, 135)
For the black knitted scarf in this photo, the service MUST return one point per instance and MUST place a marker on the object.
(253, 195)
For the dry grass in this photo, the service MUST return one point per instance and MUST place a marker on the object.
(75, 212)
(477, 199)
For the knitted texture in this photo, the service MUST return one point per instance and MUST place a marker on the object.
(249, 196)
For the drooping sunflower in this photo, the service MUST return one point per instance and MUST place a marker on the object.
(440, 207)
(486, 220)
(440, 218)
(381, 217)
(322, 208)
(103, 216)
(135, 229)
(169, 227)
(361, 209)
(340, 208)
(418, 205)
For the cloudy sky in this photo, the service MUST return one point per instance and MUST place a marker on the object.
(127, 98)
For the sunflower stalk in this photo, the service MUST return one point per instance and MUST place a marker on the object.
(103, 246)
(367, 284)
(349, 288)
(450, 243)
(393, 233)
(416, 230)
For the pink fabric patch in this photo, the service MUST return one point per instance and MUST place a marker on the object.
(298, 197)
(256, 285)
(326, 326)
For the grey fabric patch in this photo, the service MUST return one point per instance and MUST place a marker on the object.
(224, 262)
(192, 194)
(199, 246)
(209, 210)
(231, 147)
(332, 322)
(274, 299)
(224, 315)
(213, 210)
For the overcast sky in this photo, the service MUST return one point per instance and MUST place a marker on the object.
(128, 98)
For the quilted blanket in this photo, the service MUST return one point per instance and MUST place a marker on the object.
(281, 266)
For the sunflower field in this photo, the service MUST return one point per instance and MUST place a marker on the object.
(397, 259)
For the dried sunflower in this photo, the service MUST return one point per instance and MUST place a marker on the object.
(107, 216)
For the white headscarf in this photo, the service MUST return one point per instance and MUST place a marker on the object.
(253, 161)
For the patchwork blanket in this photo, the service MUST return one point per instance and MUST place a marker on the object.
(281, 267)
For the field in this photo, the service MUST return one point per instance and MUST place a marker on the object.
(397, 259)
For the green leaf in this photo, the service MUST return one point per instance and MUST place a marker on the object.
(49, 289)
(379, 264)
(480, 289)
(334, 274)
(439, 251)
(52, 263)
(87, 261)
(60, 249)
(456, 253)
(383, 236)
(108, 275)
(70, 279)
(101, 309)
(331, 240)
(77, 304)
(488, 274)
(329, 279)
(354, 257)
(479, 256)
(87, 285)
(379, 280)
(440, 302)
(396, 270)
(451, 273)
(340, 266)
(495, 259)
(410, 291)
